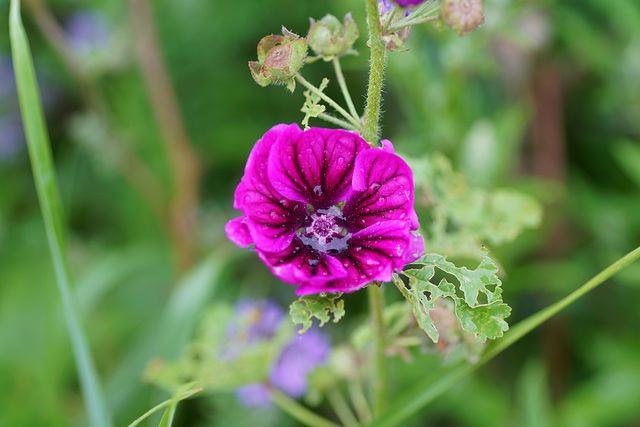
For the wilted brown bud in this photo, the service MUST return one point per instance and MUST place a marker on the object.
(463, 16)
(279, 59)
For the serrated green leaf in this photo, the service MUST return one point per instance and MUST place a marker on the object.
(484, 320)
(320, 306)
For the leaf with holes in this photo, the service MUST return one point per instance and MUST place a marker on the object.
(320, 306)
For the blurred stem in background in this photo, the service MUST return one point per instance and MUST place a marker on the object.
(176, 209)
(184, 165)
(128, 163)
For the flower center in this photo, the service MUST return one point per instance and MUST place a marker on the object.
(324, 230)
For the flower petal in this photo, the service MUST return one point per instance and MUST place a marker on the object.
(270, 218)
(299, 263)
(317, 167)
(238, 232)
(373, 254)
(382, 190)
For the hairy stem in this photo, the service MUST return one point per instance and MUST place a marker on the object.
(376, 74)
(425, 392)
(343, 87)
(299, 412)
(353, 120)
(185, 168)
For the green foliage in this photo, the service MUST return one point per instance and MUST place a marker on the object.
(484, 319)
(216, 362)
(463, 217)
(320, 306)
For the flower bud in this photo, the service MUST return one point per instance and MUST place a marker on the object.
(330, 38)
(279, 59)
(463, 16)
(393, 41)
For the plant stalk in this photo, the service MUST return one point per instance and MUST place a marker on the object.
(299, 412)
(343, 87)
(425, 392)
(354, 121)
(376, 74)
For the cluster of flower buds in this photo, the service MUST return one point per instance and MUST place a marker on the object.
(330, 38)
(279, 59)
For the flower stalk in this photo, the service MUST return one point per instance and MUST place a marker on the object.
(376, 74)
(343, 87)
(351, 119)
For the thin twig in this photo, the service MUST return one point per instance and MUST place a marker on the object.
(133, 169)
(343, 87)
(185, 168)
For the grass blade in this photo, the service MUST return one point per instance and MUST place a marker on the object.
(51, 207)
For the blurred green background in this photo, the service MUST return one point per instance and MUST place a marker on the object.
(544, 98)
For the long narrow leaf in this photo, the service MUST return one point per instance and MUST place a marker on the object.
(51, 206)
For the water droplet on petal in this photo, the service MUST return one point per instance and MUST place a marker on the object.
(358, 249)
(346, 263)
(274, 216)
(381, 201)
(340, 160)
(247, 199)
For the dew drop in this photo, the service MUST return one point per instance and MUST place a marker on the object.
(340, 160)
(309, 151)
(358, 249)
(381, 201)
(346, 263)
(274, 216)
(247, 199)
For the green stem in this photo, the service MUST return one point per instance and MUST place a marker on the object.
(336, 121)
(341, 408)
(425, 392)
(329, 101)
(359, 401)
(376, 74)
(343, 87)
(376, 302)
(299, 412)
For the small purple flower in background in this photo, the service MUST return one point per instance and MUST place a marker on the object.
(298, 359)
(87, 31)
(325, 211)
(256, 321)
(11, 137)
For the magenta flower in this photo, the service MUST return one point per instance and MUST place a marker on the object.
(405, 3)
(324, 211)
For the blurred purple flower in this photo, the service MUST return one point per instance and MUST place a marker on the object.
(254, 396)
(7, 78)
(299, 358)
(87, 31)
(324, 211)
(11, 136)
(257, 321)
